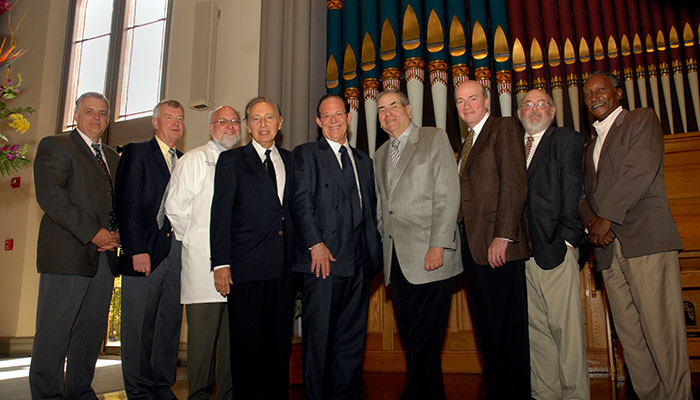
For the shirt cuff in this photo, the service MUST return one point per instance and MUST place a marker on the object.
(222, 266)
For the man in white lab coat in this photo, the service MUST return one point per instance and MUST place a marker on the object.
(188, 207)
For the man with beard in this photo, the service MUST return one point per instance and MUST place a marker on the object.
(188, 207)
(625, 210)
(558, 368)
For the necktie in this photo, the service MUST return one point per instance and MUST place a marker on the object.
(463, 155)
(351, 183)
(270, 168)
(173, 159)
(528, 146)
(160, 217)
(394, 159)
(98, 155)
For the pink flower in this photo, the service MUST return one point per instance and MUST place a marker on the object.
(5, 6)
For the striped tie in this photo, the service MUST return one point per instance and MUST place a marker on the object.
(394, 159)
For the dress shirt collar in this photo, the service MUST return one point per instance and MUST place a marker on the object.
(218, 145)
(403, 138)
(335, 146)
(537, 138)
(261, 150)
(603, 127)
(87, 139)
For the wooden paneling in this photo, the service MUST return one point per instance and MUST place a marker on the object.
(460, 354)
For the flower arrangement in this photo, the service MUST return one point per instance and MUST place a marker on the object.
(12, 156)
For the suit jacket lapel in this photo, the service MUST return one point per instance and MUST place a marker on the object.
(363, 176)
(330, 162)
(541, 150)
(380, 166)
(405, 157)
(609, 138)
(89, 152)
(255, 164)
(288, 171)
(480, 140)
(160, 160)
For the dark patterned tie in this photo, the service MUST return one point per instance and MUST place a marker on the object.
(463, 155)
(351, 183)
(105, 170)
(528, 146)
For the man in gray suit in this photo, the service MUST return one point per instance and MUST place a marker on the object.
(73, 175)
(418, 199)
(625, 211)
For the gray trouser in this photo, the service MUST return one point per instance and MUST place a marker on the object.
(208, 351)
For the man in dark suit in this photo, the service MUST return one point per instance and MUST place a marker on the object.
(558, 367)
(494, 187)
(76, 256)
(336, 222)
(625, 210)
(252, 244)
(150, 262)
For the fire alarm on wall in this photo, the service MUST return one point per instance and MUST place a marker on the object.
(14, 182)
(9, 244)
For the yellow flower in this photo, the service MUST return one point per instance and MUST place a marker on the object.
(19, 123)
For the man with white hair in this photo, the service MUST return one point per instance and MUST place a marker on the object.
(558, 368)
(188, 207)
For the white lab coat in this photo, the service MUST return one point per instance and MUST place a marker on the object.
(188, 207)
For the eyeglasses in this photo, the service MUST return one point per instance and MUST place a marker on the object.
(529, 105)
(226, 122)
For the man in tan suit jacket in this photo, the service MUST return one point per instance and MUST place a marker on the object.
(493, 180)
(417, 206)
(625, 210)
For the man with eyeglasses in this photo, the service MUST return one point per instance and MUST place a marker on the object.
(625, 211)
(252, 244)
(188, 207)
(335, 216)
(558, 367)
(493, 181)
(150, 262)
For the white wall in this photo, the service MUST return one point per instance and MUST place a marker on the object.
(43, 33)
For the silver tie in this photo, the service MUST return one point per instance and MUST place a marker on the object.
(394, 159)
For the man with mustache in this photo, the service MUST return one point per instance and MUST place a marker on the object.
(558, 368)
(625, 210)
(188, 207)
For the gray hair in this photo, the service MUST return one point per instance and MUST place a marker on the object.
(404, 99)
(170, 103)
(91, 95)
(212, 112)
(261, 99)
(613, 78)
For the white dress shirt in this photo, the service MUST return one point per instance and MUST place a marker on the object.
(335, 146)
(277, 162)
(602, 128)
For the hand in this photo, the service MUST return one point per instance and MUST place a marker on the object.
(600, 231)
(433, 259)
(321, 259)
(142, 263)
(497, 252)
(222, 280)
(105, 240)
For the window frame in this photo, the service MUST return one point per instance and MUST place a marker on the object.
(115, 60)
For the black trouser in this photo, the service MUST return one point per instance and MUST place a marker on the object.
(422, 312)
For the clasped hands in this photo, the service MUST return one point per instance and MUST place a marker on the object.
(106, 240)
(600, 231)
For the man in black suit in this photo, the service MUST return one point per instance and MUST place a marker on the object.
(558, 368)
(252, 243)
(150, 262)
(336, 222)
(73, 176)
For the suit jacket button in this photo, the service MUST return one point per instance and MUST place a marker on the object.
(390, 237)
(280, 233)
(167, 234)
(391, 212)
(334, 232)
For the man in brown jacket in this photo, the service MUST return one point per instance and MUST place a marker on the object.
(493, 182)
(625, 210)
